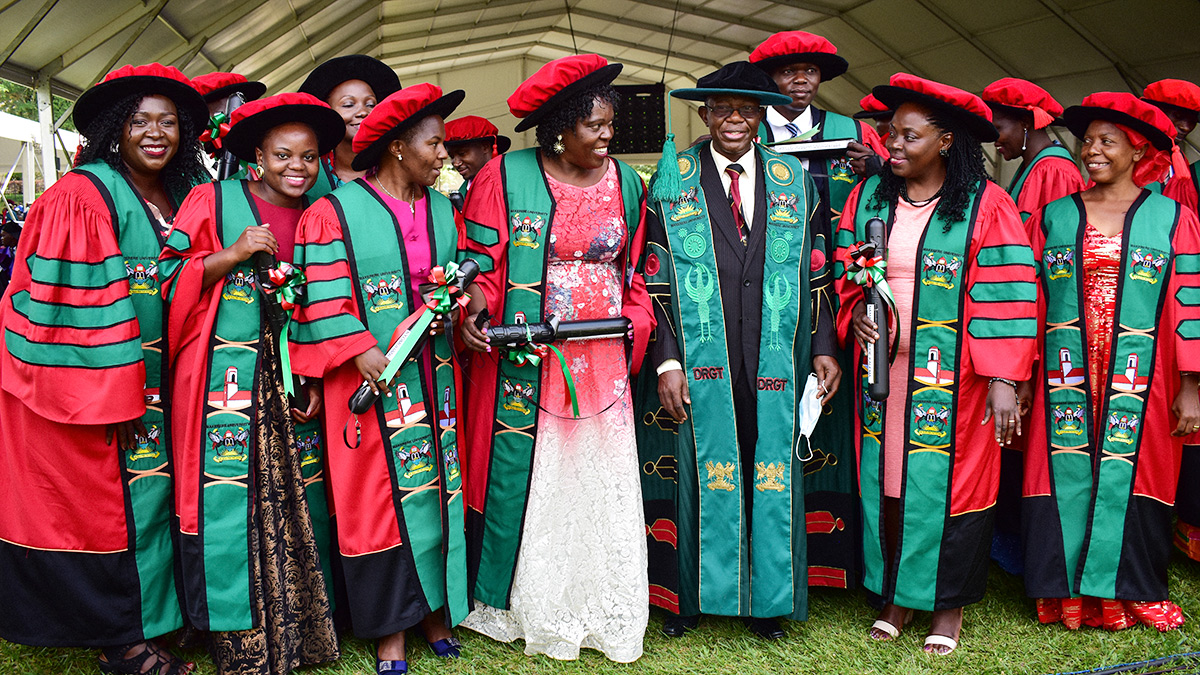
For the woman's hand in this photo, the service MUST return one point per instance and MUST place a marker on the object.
(475, 333)
(254, 239)
(1186, 406)
(371, 365)
(438, 326)
(830, 374)
(1025, 396)
(673, 394)
(126, 433)
(866, 332)
(313, 389)
(1002, 404)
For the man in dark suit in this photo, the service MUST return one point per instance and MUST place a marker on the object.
(738, 358)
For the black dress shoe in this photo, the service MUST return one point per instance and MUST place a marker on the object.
(767, 629)
(675, 626)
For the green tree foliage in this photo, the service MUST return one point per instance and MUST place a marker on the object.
(19, 100)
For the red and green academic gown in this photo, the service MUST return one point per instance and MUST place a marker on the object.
(217, 349)
(725, 522)
(975, 316)
(508, 195)
(1099, 486)
(831, 499)
(86, 556)
(1051, 175)
(394, 474)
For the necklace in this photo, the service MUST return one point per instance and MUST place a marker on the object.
(918, 203)
(412, 205)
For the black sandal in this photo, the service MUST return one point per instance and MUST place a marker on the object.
(165, 663)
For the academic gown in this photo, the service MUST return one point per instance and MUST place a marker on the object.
(951, 473)
(85, 551)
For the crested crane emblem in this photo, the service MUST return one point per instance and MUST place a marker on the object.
(385, 294)
(143, 278)
(940, 271)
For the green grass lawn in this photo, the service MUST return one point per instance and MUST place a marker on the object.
(1000, 635)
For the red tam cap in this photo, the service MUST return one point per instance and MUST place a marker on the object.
(872, 109)
(555, 83)
(966, 107)
(396, 113)
(1125, 109)
(1022, 95)
(218, 85)
(796, 46)
(475, 128)
(250, 122)
(147, 80)
(1179, 93)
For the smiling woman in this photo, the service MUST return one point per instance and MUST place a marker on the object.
(254, 579)
(554, 511)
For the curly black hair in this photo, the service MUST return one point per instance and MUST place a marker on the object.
(102, 137)
(571, 111)
(964, 170)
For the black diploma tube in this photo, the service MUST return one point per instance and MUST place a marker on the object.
(363, 398)
(227, 165)
(877, 311)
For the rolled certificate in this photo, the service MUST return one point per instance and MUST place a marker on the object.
(877, 312)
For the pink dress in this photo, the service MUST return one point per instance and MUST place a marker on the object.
(902, 245)
(580, 578)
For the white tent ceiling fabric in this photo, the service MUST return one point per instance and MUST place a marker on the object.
(1070, 47)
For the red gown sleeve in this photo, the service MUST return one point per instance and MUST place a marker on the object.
(193, 237)
(327, 331)
(487, 233)
(1000, 313)
(635, 302)
(849, 293)
(1048, 180)
(72, 345)
(1183, 306)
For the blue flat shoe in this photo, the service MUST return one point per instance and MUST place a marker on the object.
(448, 648)
(398, 667)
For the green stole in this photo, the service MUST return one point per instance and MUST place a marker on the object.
(147, 470)
(1092, 460)
(431, 520)
(840, 179)
(1018, 181)
(530, 217)
(1195, 171)
(771, 575)
(327, 181)
(931, 414)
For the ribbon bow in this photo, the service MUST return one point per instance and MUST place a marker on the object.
(441, 302)
(867, 268)
(285, 283)
(534, 353)
(218, 126)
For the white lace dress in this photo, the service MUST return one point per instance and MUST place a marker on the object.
(580, 578)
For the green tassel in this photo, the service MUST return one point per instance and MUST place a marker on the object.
(667, 182)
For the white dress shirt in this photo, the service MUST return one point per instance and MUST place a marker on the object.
(776, 120)
(746, 184)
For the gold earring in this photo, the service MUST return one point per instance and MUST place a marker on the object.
(558, 146)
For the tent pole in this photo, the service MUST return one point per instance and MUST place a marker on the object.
(46, 132)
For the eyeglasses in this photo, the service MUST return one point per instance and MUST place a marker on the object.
(746, 111)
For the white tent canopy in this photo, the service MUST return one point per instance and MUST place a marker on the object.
(1070, 47)
(20, 139)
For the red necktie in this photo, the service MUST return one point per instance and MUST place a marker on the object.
(735, 199)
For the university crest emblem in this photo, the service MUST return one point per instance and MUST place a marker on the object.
(239, 286)
(872, 410)
(451, 458)
(1146, 266)
(770, 476)
(146, 444)
(1122, 428)
(686, 205)
(931, 421)
(939, 271)
(526, 230)
(782, 208)
(1068, 420)
(230, 446)
(309, 446)
(839, 169)
(1060, 263)
(720, 475)
(383, 295)
(143, 278)
(515, 396)
(415, 459)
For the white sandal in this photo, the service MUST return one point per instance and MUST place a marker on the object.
(890, 629)
(940, 641)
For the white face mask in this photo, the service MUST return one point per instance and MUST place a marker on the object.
(808, 415)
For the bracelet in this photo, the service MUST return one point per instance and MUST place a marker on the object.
(994, 380)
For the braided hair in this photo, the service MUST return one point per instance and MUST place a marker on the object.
(571, 111)
(964, 170)
(103, 136)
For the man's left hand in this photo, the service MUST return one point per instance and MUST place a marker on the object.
(859, 154)
(829, 373)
